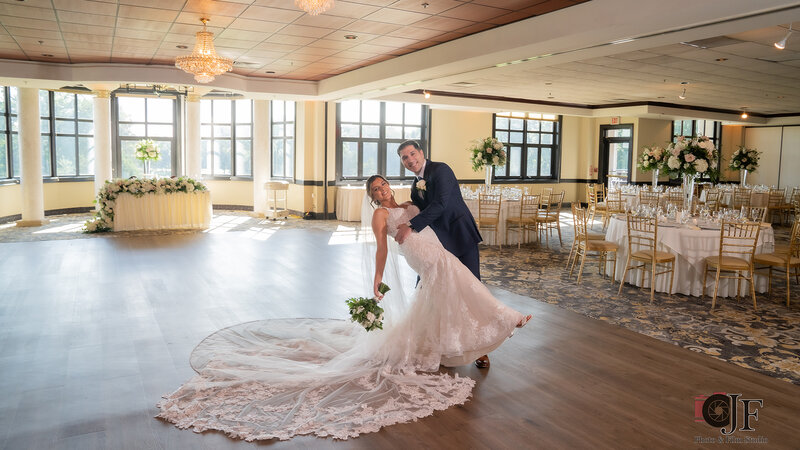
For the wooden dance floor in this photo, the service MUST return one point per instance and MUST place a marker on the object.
(94, 331)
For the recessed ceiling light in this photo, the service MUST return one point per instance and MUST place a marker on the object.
(548, 83)
(721, 59)
(660, 96)
(48, 55)
(270, 71)
(684, 82)
(350, 36)
(182, 47)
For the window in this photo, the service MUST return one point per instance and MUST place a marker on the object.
(282, 121)
(711, 129)
(142, 117)
(67, 127)
(9, 158)
(533, 145)
(226, 132)
(368, 133)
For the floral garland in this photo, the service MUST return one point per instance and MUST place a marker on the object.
(147, 150)
(103, 219)
(652, 158)
(691, 156)
(745, 159)
(487, 152)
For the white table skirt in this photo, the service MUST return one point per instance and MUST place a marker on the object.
(349, 198)
(162, 211)
(690, 248)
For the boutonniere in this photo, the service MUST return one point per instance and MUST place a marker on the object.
(421, 185)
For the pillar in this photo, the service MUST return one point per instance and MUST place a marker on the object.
(30, 148)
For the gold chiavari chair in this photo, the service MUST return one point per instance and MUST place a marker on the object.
(737, 246)
(544, 196)
(585, 245)
(589, 235)
(675, 198)
(785, 261)
(526, 220)
(648, 198)
(642, 249)
(777, 204)
(756, 213)
(489, 214)
(614, 205)
(741, 197)
(713, 200)
(795, 197)
(550, 218)
(596, 194)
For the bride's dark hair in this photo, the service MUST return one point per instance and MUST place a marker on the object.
(374, 202)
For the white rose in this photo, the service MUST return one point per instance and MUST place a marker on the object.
(496, 160)
(498, 145)
(91, 226)
(359, 310)
(370, 316)
(189, 187)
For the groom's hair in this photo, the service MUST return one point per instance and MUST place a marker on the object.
(412, 143)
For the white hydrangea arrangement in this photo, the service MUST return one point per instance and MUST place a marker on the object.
(745, 159)
(147, 150)
(652, 158)
(691, 156)
(487, 152)
(103, 219)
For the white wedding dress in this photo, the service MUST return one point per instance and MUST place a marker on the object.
(280, 378)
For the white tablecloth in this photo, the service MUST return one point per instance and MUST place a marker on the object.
(690, 247)
(349, 198)
(162, 211)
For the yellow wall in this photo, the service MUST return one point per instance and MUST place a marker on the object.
(10, 200)
(452, 133)
(68, 195)
(650, 132)
(225, 192)
(732, 138)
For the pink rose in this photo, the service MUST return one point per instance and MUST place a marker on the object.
(689, 157)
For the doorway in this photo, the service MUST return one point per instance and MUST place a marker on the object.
(616, 145)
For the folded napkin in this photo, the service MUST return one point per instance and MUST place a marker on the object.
(693, 227)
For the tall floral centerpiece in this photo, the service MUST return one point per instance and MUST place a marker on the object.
(690, 157)
(652, 159)
(147, 150)
(487, 153)
(744, 160)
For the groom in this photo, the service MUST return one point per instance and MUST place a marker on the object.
(437, 195)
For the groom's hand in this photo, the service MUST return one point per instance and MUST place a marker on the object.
(402, 233)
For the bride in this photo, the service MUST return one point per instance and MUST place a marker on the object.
(280, 378)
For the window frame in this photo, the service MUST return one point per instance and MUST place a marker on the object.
(52, 135)
(283, 138)
(8, 134)
(555, 148)
(716, 138)
(116, 139)
(381, 141)
(233, 123)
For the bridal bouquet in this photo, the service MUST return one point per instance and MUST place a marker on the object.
(147, 150)
(652, 158)
(691, 156)
(744, 159)
(487, 152)
(366, 310)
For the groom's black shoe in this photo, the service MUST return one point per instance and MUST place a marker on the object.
(482, 362)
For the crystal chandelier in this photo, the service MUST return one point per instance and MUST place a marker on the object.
(204, 63)
(314, 7)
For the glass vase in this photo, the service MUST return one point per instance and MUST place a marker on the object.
(655, 179)
(488, 180)
(688, 191)
(743, 175)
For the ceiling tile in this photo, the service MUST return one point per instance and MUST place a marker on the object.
(214, 8)
(443, 23)
(391, 41)
(34, 33)
(360, 37)
(271, 14)
(86, 45)
(276, 47)
(312, 32)
(28, 23)
(256, 25)
(215, 24)
(329, 43)
(21, 11)
(290, 40)
(323, 21)
(136, 12)
(139, 34)
(163, 4)
(107, 9)
(143, 25)
(89, 39)
(87, 29)
(351, 10)
(88, 19)
(233, 43)
(242, 35)
(368, 26)
(473, 12)
(396, 16)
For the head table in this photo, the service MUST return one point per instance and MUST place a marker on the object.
(690, 246)
(151, 211)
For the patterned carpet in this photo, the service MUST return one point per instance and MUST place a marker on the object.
(767, 341)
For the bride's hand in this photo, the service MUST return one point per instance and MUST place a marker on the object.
(376, 291)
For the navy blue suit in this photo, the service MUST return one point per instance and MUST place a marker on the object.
(443, 209)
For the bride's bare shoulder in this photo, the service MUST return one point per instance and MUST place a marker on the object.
(380, 212)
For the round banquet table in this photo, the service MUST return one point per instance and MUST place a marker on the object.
(690, 247)
(349, 198)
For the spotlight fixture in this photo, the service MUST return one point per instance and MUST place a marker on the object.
(744, 114)
(683, 95)
(426, 94)
(780, 45)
